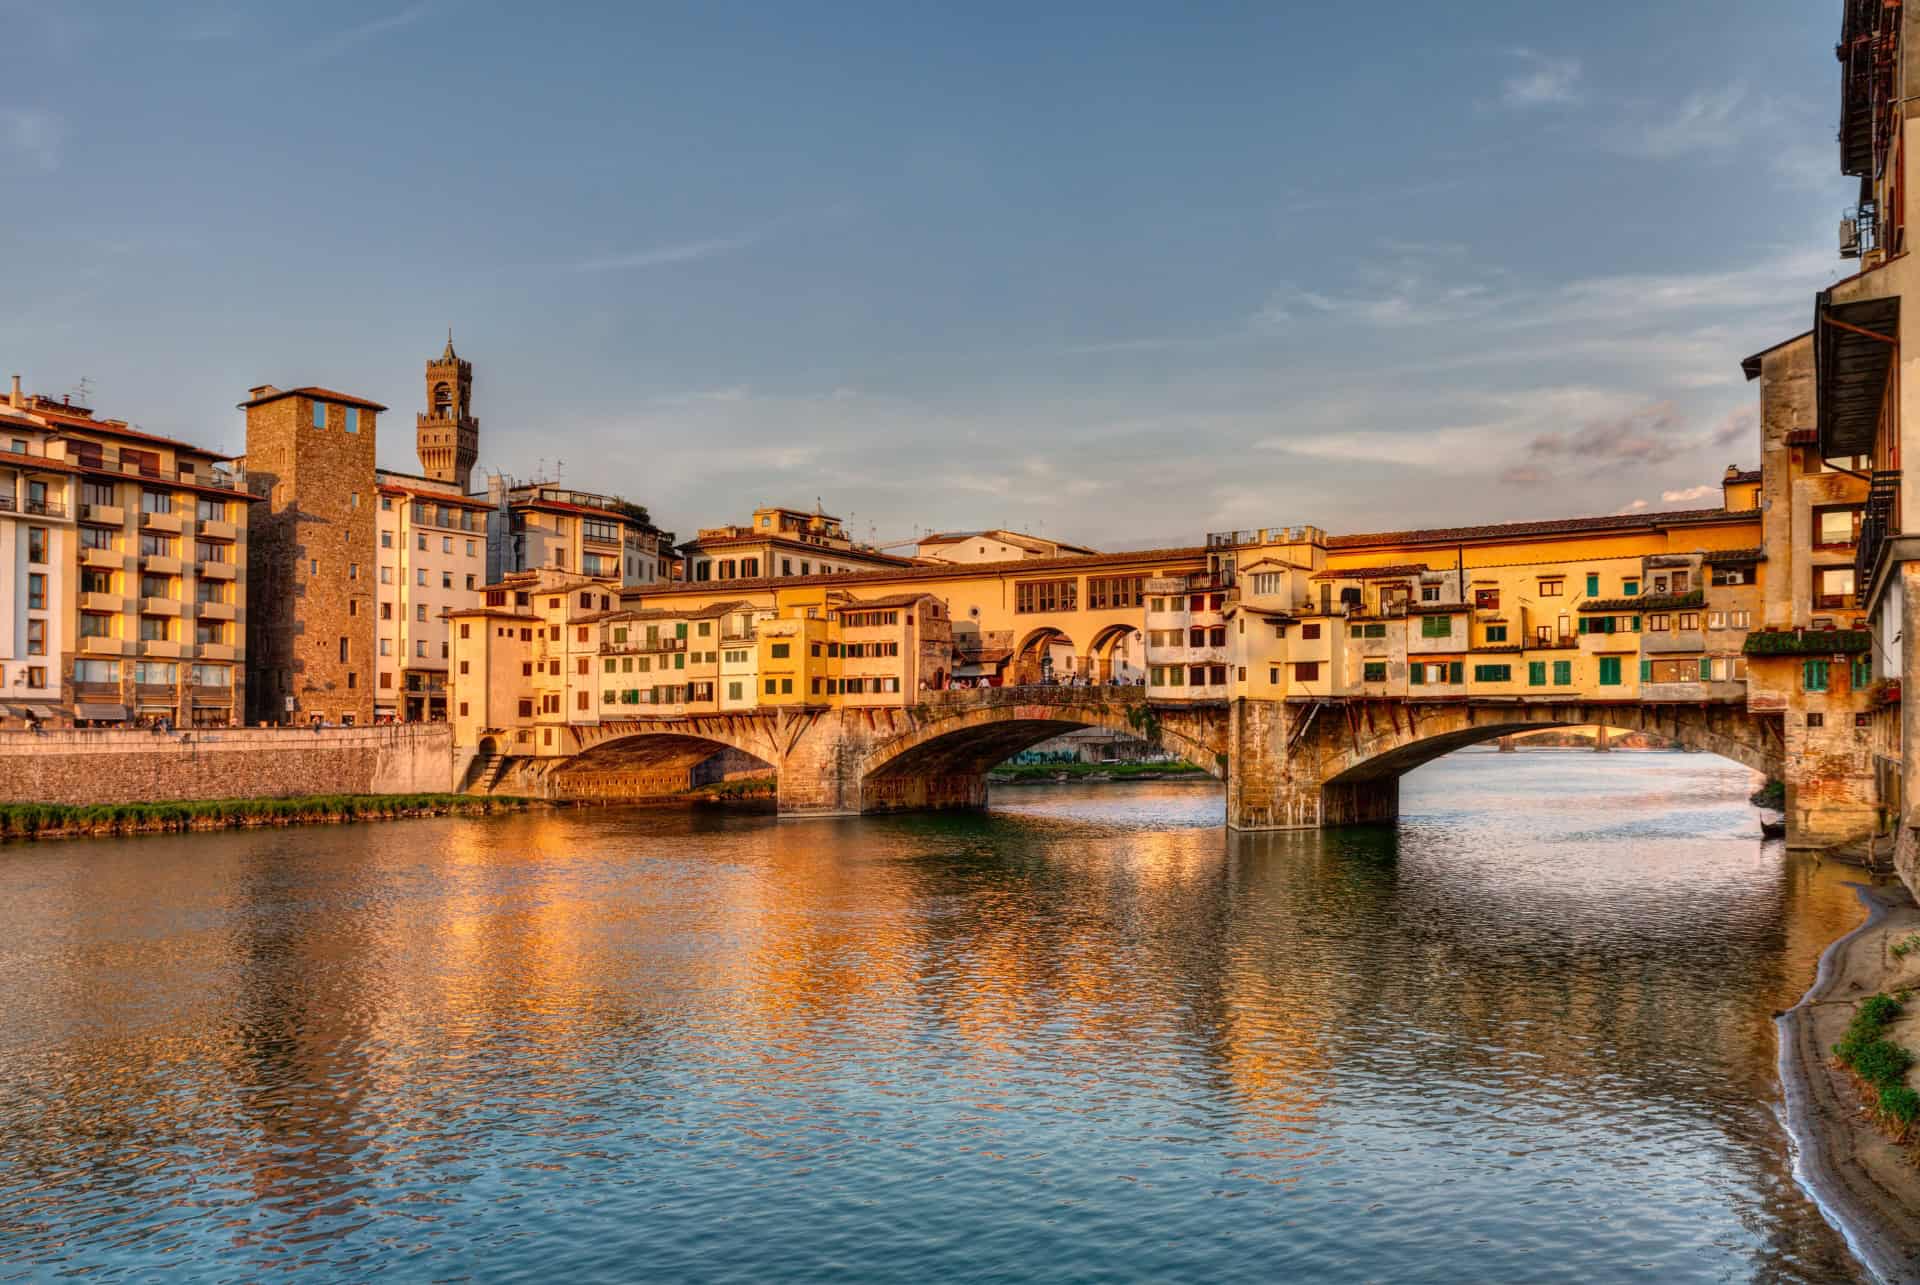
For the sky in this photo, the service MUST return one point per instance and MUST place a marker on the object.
(1118, 273)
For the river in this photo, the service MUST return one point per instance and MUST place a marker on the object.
(1090, 1035)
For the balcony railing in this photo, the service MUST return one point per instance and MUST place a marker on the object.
(1879, 522)
(46, 508)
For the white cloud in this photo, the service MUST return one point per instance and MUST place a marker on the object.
(341, 41)
(1690, 493)
(1543, 81)
(34, 134)
(1707, 120)
(1632, 506)
(659, 255)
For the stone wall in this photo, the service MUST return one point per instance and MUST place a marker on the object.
(221, 763)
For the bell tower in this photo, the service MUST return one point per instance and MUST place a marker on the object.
(447, 437)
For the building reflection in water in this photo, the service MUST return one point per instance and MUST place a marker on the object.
(343, 1046)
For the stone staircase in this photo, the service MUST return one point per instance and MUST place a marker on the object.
(485, 773)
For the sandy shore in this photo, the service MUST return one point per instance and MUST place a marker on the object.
(1867, 1187)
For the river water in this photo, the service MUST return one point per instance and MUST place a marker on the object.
(1091, 1035)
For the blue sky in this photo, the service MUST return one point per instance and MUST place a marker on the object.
(1120, 272)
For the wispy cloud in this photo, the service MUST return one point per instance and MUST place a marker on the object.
(338, 43)
(32, 133)
(1631, 506)
(1687, 494)
(660, 255)
(1542, 81)
(1706, 120)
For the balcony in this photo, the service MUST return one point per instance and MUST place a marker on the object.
(216, 651)
(103, 514)
(216, 571)
(1878, 523)
(171, 523)
(44, 509)
(161, 564)
(111, 559)
(102, 602)
(215, 610)
(171, 648)
(1656, 642)
(737, 640)
(159, 606)
(213, 529)
(103, 646)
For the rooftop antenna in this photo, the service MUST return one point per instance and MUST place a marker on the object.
(83, 391)
(559, 469)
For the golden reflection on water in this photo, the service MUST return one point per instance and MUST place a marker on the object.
(313, 1047)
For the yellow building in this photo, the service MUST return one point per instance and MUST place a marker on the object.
(132, 599)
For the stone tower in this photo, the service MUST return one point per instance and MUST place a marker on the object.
(447, 437)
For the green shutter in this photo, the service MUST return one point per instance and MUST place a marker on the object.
(1609, 671)
(1536, 673)
(1417, 674)
(1610, 623)
(1706, 669)
(1562, 673)
(1646, 671)
(1862, 674)
(1456, 672)
(1814, 676)
(1636, 624)
(1593, 585)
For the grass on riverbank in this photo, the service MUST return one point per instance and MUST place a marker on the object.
(47, 820)
(1118, 771)
(746, 787)
(1880, 1065)
(1772, 796)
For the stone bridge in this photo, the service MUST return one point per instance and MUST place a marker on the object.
(1287, 765)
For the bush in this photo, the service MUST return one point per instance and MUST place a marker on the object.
(1899, 1104)
(1882, 1062)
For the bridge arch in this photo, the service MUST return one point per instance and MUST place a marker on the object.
(1344, 762)
(1117, 654)
(943, 758)
(629, 759)
(1042, 645)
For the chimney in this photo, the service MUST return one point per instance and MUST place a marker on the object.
(16, 401)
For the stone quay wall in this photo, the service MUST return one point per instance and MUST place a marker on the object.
(101, 766)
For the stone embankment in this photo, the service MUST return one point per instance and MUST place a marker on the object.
(83, 767)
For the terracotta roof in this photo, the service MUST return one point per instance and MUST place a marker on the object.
(891, 600)
(445, 497)
(789, 542)
(114, 428)
(923, 571)
(1744, 475)
(1437, 608)
(316, 393)
(1019, 539)
(1550, 526)
(1397, 570)
(1734, 557)
(708, 612)
(1647, 602)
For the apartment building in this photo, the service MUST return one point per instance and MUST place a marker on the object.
(538, 526)
(432, 560)
(781, 543)
(995, 545)
(125, 555)
(527, 659)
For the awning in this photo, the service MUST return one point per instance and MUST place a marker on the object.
(1854, 346)
(116, 713)
(44, 711)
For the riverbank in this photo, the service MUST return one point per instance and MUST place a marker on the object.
(67, 821)
(1092, 773)
(1867, 1184)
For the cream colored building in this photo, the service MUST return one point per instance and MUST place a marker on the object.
(431, 560)
(781, 543)
(993, 546)
(545, 526)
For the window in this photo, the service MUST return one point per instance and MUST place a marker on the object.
(1305, 671)
(1836, 526)
(36, 637)
(1496, 633)
(152, 586)
(1832, 587)
(1309, 631)
(1536, 673)
(343, 651)
(1370, 631)
(95, 537)
(36, 544)
(97, 493)
(1373, 671)
(1552, 588)
(779, 651)
(96, 671)
(1493, 673)
(1593, 584)
(1630, 588)
(1687, 620)
(420, 577)
(1816, 720)
(1813, 675)
(153, 673)
(386, 646)
(1436, 626)
(786, 687)
(446, 544)
(95, 624)
(1114, 592)
(733, 691)
(1486, 599)
(156, 628)
(1657, 623)
(1429, 593)
(420, 612)
(771, 687)
(319, 414)
(1045, 595)
(156, 502)
(1863, 719)
(36, 591)
(1861, 674)
(1609, 671)
(156, 546)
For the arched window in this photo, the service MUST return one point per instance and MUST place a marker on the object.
(442, 401)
